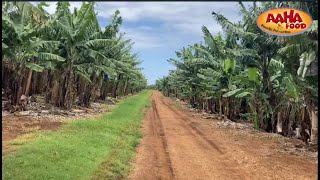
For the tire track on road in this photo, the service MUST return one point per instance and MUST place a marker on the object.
(192, 126)
(158, 127)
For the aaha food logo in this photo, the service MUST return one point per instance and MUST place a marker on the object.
(284, 21)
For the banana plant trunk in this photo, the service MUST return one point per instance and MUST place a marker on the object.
(55, 92)
(115, 88)
(220, 108)
(125, 87)
(17, 86)
(104, 90)
(313, 114)
(314, 127)
(66, 92)
(279, 123)
(48, 87)
(28, 83)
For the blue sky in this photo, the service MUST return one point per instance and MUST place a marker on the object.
(161, 28)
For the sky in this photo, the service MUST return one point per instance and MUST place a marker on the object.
(161, 28)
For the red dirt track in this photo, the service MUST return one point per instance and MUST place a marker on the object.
(176, 145)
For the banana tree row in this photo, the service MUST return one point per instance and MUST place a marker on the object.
(65, 55)
(245, 73)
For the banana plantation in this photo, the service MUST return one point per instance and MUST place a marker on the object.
(65, 56)
(244, 73)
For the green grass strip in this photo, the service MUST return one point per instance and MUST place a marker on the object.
(99, 148)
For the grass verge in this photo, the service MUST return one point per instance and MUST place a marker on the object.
(99, 148)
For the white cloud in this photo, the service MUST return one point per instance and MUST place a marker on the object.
(146, 28)
(159, 27)
(53, 4)
(142, 37)
(184, 17)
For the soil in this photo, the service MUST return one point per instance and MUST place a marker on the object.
(12, 127)
(179, 144)
(42, 116)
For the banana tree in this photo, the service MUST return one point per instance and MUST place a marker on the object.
(26, 47)
(78, 34)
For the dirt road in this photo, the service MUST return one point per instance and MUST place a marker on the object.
(176, 145)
